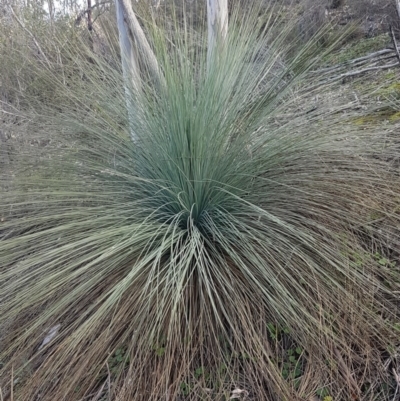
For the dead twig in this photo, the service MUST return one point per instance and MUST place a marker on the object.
(397, 378)
(108, 379)
(22, 25)
(79, 17)
(396, 48)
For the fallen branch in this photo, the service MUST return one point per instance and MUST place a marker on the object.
(358, 72)
(355, 61)
(373, 61)
(372, 55)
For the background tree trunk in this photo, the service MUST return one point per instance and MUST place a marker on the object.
(139, 39)
(217, 19)
(130, 66)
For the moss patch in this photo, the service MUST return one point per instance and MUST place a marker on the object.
(388, 114)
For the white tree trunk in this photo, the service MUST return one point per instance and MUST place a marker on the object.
(136, 33)
(133, 41)
(130, 67)
(217, 18)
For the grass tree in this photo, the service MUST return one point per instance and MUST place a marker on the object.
(196, 225)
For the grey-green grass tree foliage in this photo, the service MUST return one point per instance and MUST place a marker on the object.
(197, 227)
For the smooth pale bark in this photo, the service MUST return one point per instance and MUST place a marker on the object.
(130, 67)
(217, 19)
(133, 41)
(136, 32)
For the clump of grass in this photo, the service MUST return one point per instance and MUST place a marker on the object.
(215, 249)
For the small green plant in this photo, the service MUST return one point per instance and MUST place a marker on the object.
(392, 90)
(160, 351)
(160, 346)
(323, 392)
(119, 360)
(292, 367)
(199, 372)
(275, 330)
(185, 389)
(383, 261)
